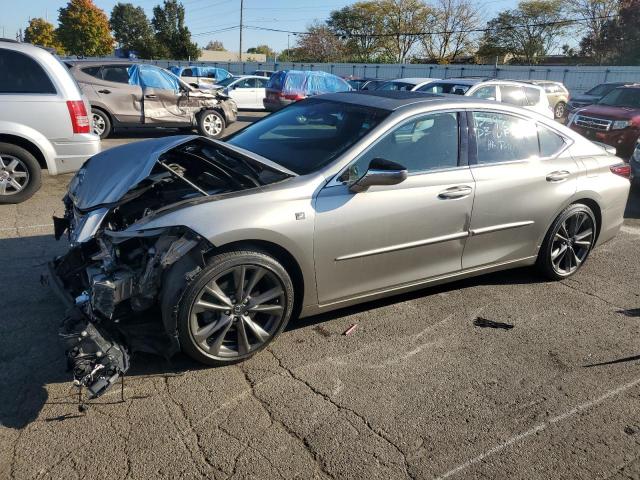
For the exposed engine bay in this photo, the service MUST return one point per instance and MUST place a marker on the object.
(122, 284)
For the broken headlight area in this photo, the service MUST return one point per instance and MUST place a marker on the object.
(120, 287)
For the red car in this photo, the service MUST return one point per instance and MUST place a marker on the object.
(614, 119)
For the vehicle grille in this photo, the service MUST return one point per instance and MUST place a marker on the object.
(594, 123)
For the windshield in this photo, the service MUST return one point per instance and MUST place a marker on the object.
(226, 81)
(308, 135)
(622, 97)
(402, 86)
(601, 90)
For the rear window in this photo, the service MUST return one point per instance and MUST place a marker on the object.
(532, 96)
(309, 134)
(20, 73)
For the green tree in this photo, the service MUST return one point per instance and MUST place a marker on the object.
(132, 30)
(264, 50)
(83, 29)
(624, 34)
(359, 25)
(527, 33)
(40, 32)
(318, 44)
(596, 16)
(402, 21)
(171, 33)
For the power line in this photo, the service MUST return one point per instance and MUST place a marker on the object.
(443, 32)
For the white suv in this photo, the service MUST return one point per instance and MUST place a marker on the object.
(43, 120)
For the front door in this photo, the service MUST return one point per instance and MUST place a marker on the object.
(163, 97)
(243, 92)
(523, 173)
(390, 236)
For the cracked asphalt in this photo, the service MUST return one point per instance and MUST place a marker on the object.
(416, 391)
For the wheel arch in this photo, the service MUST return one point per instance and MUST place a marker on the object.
(28, 145)
(281, 254)
(581, 198)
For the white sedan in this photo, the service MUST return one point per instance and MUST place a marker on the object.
(247, 91)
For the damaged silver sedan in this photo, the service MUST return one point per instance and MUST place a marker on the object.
(188, 243)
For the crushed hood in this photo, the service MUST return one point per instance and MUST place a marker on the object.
(108, 176)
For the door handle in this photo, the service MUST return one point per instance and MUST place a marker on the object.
(458, 191)
(151, 95)
(104, 91)
(558, 176)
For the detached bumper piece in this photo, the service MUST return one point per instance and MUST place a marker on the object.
(96, 360)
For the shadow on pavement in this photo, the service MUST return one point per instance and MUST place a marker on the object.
(633, 204)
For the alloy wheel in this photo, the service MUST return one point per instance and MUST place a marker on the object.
(572, 242)
(560, 110)
(237, 312)
(14, 175)
(99, 124)
(212, 124)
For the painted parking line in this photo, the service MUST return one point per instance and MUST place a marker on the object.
(538, 428)
(6, 229)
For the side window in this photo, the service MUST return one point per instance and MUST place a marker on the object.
(429, 142)
(261, 82)
(93, 71)
(512, 95)
(488, 93)
(503, 138)
(187, 72)
(115, 73)
(246, 83)
(532, 96)
(550, 142)
(154, 77)
(22, 74)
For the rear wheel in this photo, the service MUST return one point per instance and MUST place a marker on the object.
(568, 242)
(236, 306)
(560, 110)
(101, 123)
(20, 174)
(211, 124)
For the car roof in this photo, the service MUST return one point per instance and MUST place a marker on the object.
(393, 99)
(414, 80)
(458, 81)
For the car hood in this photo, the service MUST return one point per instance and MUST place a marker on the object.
(584, 98)
(108, 176)
(610, 113)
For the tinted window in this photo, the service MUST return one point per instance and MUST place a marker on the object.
(488, 93)
(512, 95)
(187, 72)
(21, 74)
(602, 89)
(550, 142)
(429, 142)
(503, 138)
(93, 71)
(309, 134)
(116, 73)
(532, 96)
(445, 88)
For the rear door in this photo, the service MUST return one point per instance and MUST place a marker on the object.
(523, 174)
(261, 85)
(111, 84)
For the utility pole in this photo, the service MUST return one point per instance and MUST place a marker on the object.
(241, 9)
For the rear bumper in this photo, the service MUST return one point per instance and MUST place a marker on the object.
(70, 155)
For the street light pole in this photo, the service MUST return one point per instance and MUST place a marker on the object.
(241, 9)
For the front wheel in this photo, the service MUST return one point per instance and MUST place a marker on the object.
(235, 307)
(568, 242)
(211, 124)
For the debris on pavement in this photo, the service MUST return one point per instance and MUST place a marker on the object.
(351, 329)
(486, 323)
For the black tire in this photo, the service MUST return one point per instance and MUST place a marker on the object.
(211, 123)
(560, 110)
(221, 267)
(554, 241)
(101, 123)
(27, 165)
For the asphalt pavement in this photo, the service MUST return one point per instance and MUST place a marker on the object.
(504, 376)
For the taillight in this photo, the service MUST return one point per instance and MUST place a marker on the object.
(79, 117)
(292, 96)
(622, 169)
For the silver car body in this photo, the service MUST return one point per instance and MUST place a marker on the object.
(352, 247)
(42, 121)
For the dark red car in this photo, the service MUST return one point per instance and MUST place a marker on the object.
(614, 119)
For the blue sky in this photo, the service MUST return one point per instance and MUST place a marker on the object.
(205, 16)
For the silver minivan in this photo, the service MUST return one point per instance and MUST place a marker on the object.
(44, 121)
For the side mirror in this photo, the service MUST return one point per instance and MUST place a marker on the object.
(380, 172)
